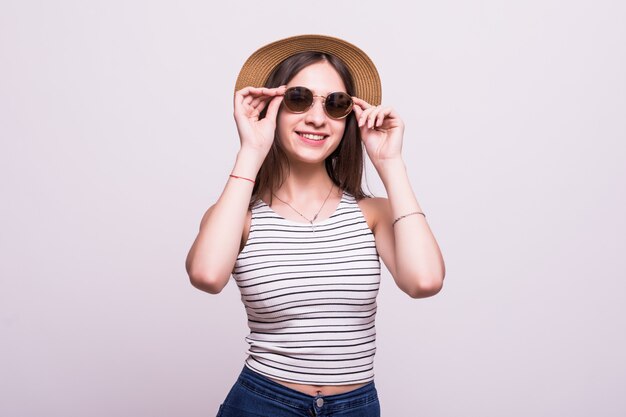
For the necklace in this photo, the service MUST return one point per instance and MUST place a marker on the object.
(302, 215)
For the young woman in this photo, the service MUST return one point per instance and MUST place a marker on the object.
(301, 238)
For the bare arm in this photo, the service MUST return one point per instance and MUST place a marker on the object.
(409, 248)
(213, 254)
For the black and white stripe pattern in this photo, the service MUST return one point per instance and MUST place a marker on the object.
(310, 296)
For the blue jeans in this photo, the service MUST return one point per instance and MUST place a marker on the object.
(254, 395)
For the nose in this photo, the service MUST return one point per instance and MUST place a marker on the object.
(316, 115)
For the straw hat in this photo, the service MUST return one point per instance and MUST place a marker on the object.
(257, 69)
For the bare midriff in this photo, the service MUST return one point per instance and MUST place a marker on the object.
(314, 390)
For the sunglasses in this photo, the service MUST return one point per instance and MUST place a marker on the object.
(337, 105)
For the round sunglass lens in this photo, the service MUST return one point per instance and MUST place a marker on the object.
(338, 105)
(298, 99)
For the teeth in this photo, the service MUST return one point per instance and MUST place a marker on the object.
(311, 136)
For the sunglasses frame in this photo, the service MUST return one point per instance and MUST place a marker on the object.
(348, 111)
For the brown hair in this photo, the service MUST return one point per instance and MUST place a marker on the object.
(344, 166)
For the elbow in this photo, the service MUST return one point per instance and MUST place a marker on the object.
(426, 287)
(211, 286)
(211, 283)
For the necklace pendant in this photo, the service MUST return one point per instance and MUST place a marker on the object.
(302, 215)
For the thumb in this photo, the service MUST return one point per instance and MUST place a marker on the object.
(272, 109)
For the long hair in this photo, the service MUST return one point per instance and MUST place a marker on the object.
(344, 166)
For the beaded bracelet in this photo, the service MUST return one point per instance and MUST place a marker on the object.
(407, 215)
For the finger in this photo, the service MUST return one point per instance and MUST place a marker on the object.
(365, 115)
(271, 92)
(279, 91)
(272, 109)
(381, 116)
(361, 103)
(263, 103)
(358, 111)
(258, 100)
(245, 96)
(241, 95)
(254, 91)
(260, 91)
(371, 119)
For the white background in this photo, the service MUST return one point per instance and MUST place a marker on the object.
(117, 134)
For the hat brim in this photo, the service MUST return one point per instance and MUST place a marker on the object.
(258, 67)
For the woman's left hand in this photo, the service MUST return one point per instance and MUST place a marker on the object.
(381, 131)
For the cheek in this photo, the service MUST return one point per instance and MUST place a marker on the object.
(339, 128)
(338, 132)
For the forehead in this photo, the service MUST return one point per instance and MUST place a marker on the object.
(321, 78)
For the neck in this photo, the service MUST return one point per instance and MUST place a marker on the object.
(308, 201)
(305, 183)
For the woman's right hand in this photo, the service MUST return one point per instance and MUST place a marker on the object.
(254, 134)
(213, 254)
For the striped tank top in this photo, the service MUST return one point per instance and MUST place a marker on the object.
(310, 296)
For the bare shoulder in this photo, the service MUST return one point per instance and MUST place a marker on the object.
(374, 210)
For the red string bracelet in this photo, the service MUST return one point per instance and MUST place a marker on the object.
(242, 178)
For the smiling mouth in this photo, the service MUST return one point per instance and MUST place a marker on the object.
(311, 136)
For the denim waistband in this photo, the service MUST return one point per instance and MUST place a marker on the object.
(266, 387)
